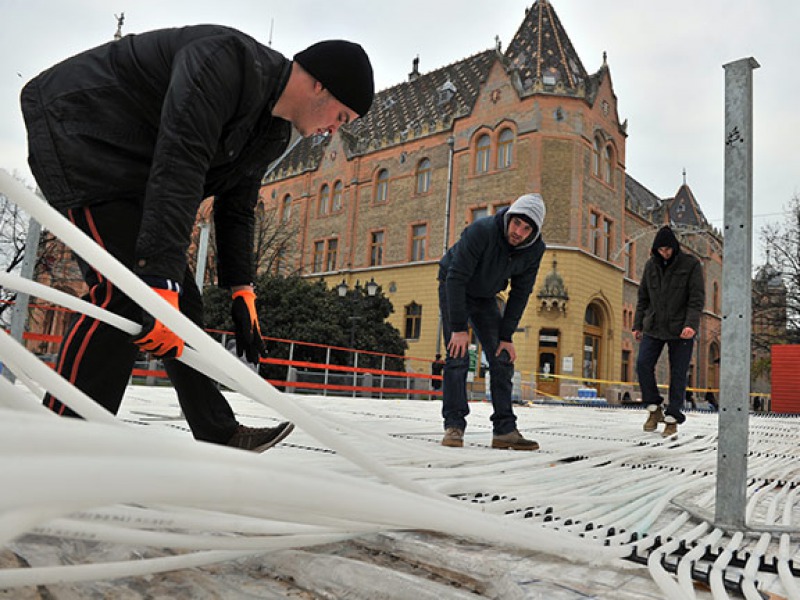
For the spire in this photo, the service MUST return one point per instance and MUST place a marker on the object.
(543, 55)
(120, 23)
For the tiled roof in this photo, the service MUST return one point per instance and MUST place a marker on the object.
(542, 54)
(683, 209)
(425, 104)
(641, 200)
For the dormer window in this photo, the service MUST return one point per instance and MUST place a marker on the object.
(447, 92)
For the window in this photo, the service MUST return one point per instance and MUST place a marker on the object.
(413, 318)
(625, 375)
(286, 209)
(499, 207)
(630, 259)
(600, 229)
(482, 149)
(324, 200)
(505, 149)
(607, 164)
(319, 253)
(478, 213)
(715, 299)
(330, 254)
(424, 176)
(382, 187)
(336, 203)
(596, 157)
(376, 248)
(419, 234)
(592, 332)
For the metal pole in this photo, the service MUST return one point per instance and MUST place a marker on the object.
(736, 316)
(19, 314)
(451, 141)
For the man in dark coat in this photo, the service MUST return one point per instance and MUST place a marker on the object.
(671, 300)
(492, 252)
(128, 138)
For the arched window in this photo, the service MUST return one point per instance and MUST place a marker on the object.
(596, 149)
(715, 299)
(382, 186)
(592, 338)
(286, 209)
(324, 200)
(505, 149)
(424, 176)
(608, 156)
(336, 202)
(482, 148)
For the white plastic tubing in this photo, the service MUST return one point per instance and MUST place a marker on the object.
(87, 464)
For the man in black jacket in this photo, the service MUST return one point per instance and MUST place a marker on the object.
(128, 138)
(671, 300)
(493, 251)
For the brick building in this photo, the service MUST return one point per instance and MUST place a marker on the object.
(388, 194)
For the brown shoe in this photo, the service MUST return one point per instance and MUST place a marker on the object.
(670, 427)
(513, 441)
(655, 417)
(258, 439)
(453, 437)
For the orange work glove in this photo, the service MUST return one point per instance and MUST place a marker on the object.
(155, 337)
(245, 322)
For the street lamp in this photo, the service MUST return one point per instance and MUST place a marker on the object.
(342, 289)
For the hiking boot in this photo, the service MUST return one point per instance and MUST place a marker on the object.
(453, 437)
(513, 441)
(655, 417)
(258, 439)
(670, 427)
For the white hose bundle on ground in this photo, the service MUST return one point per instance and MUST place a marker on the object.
(597, 491)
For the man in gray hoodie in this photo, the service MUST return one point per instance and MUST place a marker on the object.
(493, 251)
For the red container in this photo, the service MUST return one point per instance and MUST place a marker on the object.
(786, 379)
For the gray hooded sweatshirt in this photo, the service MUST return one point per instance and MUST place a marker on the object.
(482, 263)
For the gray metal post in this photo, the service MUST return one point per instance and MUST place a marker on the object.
(19, 314)
(202, 255)
(736, 316)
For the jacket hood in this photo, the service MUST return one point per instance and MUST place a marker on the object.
(531, 208)
(665, 238)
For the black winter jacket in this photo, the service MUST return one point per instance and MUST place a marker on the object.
(166, 118)
(482, 263)
(670, 297)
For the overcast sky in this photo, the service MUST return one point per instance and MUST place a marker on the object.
(665, 59)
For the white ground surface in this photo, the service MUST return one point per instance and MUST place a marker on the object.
(472, 522)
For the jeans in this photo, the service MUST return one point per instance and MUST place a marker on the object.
(680, 355)
(484, 315)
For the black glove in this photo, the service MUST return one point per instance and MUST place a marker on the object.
(245, 321)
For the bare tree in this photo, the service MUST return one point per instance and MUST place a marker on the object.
(776, 290)
(13, 232)
(275, 242)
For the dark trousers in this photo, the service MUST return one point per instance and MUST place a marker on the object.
(484, 315)
(680, 355)
(98, 358)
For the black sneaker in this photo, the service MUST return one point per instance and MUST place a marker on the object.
(258, 439)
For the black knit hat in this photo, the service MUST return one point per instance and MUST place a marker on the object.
(343, 68)
(525, 218)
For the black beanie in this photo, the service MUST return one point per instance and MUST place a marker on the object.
(343, 68)
(525, 218)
